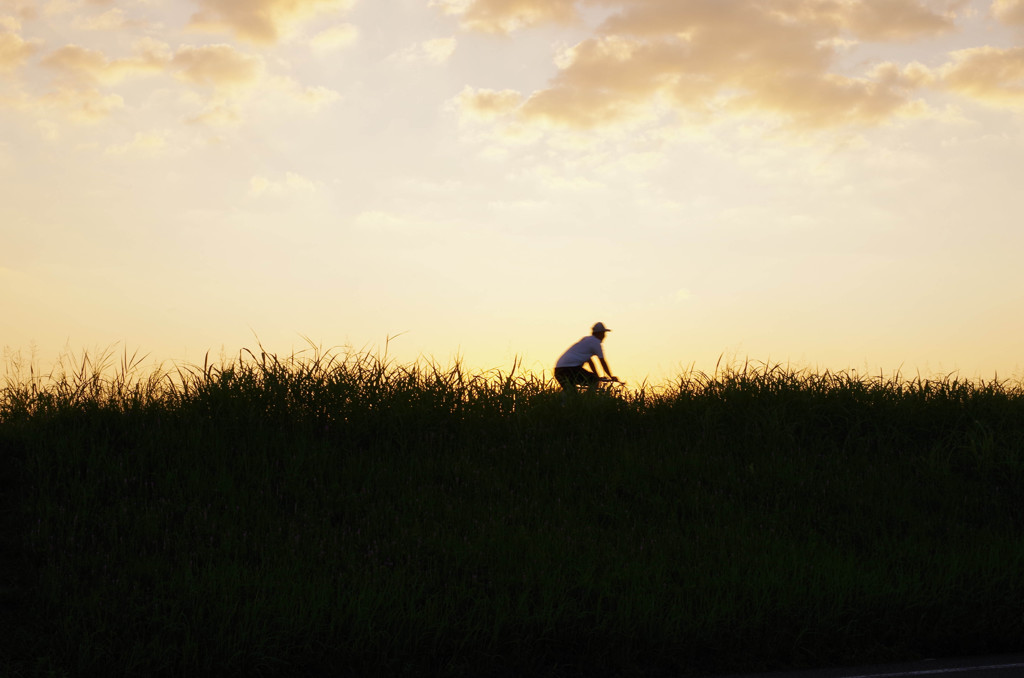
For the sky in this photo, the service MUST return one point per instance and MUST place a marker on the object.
(828, 184)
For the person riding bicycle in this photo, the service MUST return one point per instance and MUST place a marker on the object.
(570, 371)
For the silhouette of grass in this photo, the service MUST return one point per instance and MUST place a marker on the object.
(338, 514)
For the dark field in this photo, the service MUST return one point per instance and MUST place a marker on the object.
(339, 515)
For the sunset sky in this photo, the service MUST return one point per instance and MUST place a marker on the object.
(830, 183)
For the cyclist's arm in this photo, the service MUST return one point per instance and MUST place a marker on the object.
(607, 370)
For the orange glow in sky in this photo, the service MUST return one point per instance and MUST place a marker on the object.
(830, 184)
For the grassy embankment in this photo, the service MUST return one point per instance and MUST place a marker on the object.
(338, 515)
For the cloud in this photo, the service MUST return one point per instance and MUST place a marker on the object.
(218, 66)
(434, 51)
(505, 16)
(144, 143)
(86, 105)
(218, 113)
(260, 21)
(70, 101)
(20, 9)
(221, 70)
(702, 58)
(439, 49)
(829, 100)
(335, 38)
(987, 74)
(230, 76)
(47, 129)
(291, 183)
(58, 7)
(868, 19)
(92, 66)
(897, 20)
(14, 49)
(487, 104)
(1009, 11)
(220, 80)
(111, 20)
(310, 99)
(483, 112)
(316, 97)
(221, 67)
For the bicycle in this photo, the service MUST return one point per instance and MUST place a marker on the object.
(612, 385)
(603, 387)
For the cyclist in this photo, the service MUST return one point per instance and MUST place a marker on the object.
(570, 371)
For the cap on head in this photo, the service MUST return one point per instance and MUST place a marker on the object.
(599, 327)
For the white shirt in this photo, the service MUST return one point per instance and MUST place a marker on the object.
(581, 352)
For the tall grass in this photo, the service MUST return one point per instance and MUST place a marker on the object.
(339, 514)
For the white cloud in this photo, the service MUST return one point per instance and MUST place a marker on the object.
(309, 98)
(1009, 11)
(987, 74)
(20, 9)
(221, 69)
(59, 7)
(217, 113)
(83, 66)
(143, 143)
(316, 97)
(219, 66)
(111, 20)
(10, 23)
(505, 16)
(48, 129)
(486, 104)
(435, 51)
(87, 105)
(439, 49)
(14, 49)
(220, 82)
(261, 21)
(656, 59)
(291, 183)
(335, 38)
